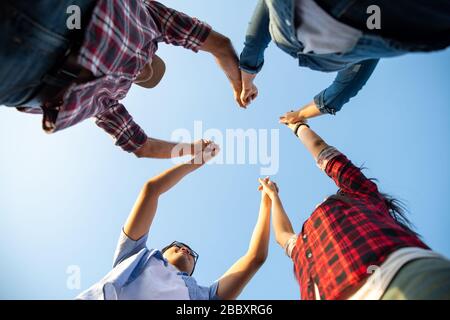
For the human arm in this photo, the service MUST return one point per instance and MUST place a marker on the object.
(222, 49)
(346, 85)
(281, 224)
(128, 135)
(179, 29)
(160, 149)
(237, 277)
(141, 217)
(344, 173)
(257, 40)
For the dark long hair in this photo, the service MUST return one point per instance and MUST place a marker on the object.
(397, 208)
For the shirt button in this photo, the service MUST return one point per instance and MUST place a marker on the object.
(304, 237)
(309, 254)
(288, 22)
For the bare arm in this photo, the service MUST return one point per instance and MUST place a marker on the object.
(307, 112)
(226, 57)
(142, 215)
(312, 141)
(249, 90)
(236, 278)
(281, 224)
(160, 149)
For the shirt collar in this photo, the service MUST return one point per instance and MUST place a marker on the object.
(159, 255)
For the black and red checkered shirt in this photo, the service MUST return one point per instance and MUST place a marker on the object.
(345, 236)
(120, 39)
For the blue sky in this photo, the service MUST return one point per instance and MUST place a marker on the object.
(65, 197)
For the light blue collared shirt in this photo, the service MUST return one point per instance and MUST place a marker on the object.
(132, 265)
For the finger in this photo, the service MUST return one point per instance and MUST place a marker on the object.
(276, 186)
(239, 101)
(263, 183)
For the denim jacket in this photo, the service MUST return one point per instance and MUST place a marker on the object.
(274, 20)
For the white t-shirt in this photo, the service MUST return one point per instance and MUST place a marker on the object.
(381, 277)
(321, 33)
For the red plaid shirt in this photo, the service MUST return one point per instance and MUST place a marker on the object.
(120, 39)
(344, 237)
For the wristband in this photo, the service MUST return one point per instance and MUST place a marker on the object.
(298, 127)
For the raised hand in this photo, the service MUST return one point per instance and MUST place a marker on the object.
(209, 151)
(292, 117)
(249, 90)
(268, 187)
(307, 112)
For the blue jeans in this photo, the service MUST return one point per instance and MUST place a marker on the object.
(33, 40)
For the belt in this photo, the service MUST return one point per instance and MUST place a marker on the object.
(49, 95)
(67, 71)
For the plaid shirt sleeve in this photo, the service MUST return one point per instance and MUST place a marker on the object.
(345, 174)
(178, 28)
(117, 122)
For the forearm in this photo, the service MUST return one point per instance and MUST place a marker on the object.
(309, 111)
(312, 141)
(226, 57)
(259, 243)
(160, 149)
(281, 223)
(142, 215)
(347, 84)
(236, 278)
(257, 39)
(169, 178)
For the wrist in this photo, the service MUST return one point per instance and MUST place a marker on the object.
(186, 149)
(265, 199)
(300, 127)
(275, 198)
(247, 78)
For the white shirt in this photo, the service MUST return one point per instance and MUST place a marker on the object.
(157, 282)
(321, 33)
(381, 277)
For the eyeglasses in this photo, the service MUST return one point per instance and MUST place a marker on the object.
(181, 245)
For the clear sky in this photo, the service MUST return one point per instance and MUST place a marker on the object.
(64, 197)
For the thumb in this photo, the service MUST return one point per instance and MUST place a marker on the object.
(263, 183)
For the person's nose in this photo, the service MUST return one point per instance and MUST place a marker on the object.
(185, 250)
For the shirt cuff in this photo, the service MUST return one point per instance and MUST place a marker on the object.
(135, 142)
(290, 245)
(251, 70)
(198, 35)
(319, 100)
(325, 156)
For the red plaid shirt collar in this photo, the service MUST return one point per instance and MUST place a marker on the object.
(343, 238)
(120, 39)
